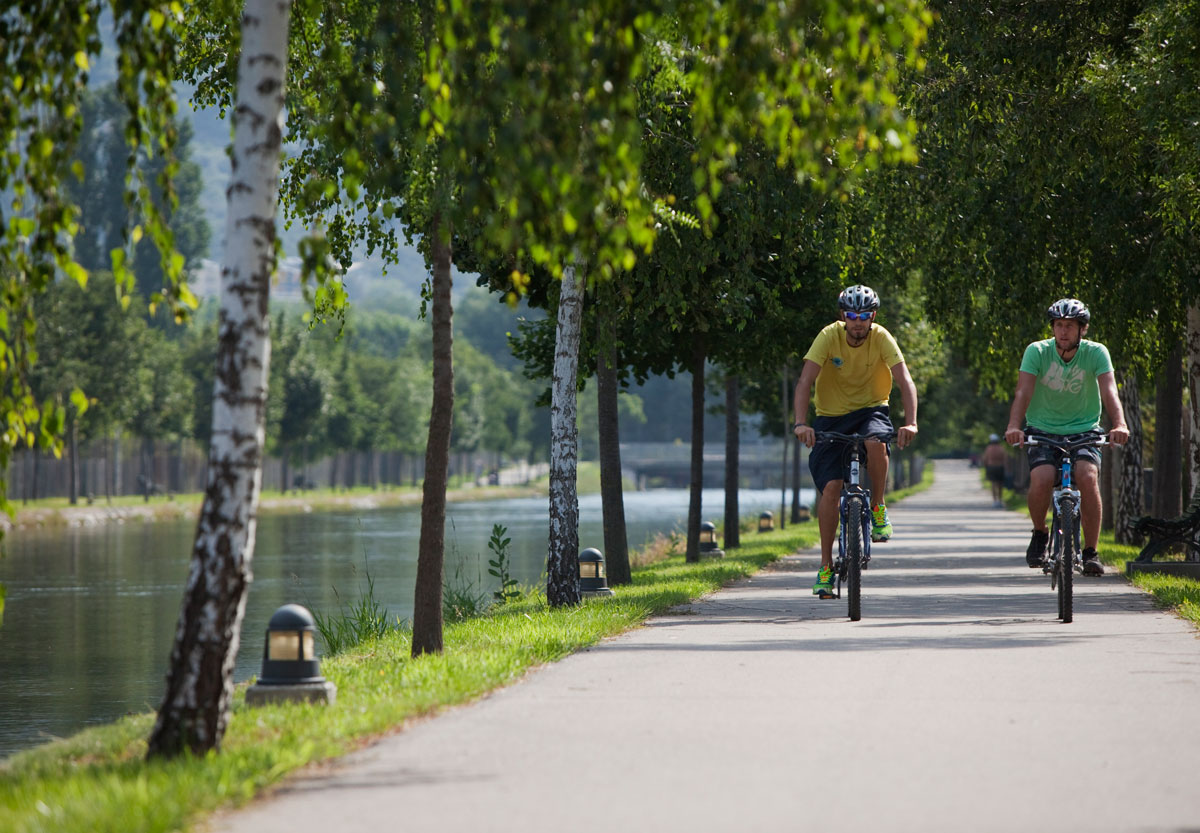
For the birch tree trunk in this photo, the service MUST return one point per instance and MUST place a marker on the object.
(562, 559)
(1129, 501)
(616, 539)
(733, 515)
(195, 708)
(431, 554)
(697, 468)
(1193, 382)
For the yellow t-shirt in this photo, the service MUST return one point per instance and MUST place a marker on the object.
(852, 377)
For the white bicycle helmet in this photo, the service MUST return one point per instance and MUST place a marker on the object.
(1069, 308)
(858, 298)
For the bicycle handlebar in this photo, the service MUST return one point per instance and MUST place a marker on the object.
(833, 436)
(1090, 441)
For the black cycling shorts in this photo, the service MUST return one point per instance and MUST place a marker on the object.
(826, 460)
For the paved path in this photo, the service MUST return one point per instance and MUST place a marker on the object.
(958, 703)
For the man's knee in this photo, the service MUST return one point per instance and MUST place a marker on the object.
(1086, 473)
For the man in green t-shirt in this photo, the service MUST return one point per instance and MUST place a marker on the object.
(1062, 383)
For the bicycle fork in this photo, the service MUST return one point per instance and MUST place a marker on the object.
(1066, 511)
(852, 487)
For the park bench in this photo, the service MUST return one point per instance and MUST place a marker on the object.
(1165, 534)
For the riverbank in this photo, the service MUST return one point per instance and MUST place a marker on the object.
(98, 780)
(56, 512)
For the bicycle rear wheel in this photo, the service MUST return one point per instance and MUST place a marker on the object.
(1066, 562)
(854, 553)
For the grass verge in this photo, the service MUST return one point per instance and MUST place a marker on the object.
(98, 781)
(1179, 594)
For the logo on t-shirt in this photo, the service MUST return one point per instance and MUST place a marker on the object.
(837, 361)
(1067, 379)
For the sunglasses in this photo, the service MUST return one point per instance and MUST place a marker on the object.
(858, 316)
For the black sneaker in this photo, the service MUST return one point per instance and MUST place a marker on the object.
(1035, 556)
(1091, 563)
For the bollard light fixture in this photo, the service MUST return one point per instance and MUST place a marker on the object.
(708, 541)
(766, 521)
(290, 668)
(592, 583)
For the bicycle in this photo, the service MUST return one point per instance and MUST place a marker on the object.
(1064, 556)
(854, 537)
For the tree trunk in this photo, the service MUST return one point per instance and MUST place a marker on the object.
(1129, 500)
(431, 555)
(1193, 382)
(111, 461)
(562, 558)
(72, 457)
(1168, 437)
(784, 462)
(733, 515)
(796, 482)
(616, 540)
(195, 709)
(697, 469)
(117, 485)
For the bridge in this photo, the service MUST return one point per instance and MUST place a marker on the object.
(760, 464)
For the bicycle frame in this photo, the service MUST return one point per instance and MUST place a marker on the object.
(1066, 505)
(853, 491)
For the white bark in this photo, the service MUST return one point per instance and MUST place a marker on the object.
(562, 570)
(195, 708)
(1193, 383)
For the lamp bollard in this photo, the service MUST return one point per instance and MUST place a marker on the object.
(708, 541)
(766, 521)
(291, 671)
(592, 583)
(803, 515)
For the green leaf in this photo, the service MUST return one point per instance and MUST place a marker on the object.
(80, 401)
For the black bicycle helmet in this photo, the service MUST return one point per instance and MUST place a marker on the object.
(1069, 308)
(858, 298)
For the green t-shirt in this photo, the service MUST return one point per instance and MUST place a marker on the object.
(1066, 396)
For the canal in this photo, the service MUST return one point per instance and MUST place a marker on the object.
(90, 612)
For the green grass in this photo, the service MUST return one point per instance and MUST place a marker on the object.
(1179, 594)
(99, 781)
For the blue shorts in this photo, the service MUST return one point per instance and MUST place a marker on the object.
(825, 461)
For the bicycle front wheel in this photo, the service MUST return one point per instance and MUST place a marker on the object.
(854, 555)
(1066, 562)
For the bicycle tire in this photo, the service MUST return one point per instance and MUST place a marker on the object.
(854, 551)
(1066, 563)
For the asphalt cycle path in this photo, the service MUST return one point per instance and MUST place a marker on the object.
(958, 703)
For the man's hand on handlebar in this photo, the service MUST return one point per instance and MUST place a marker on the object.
(905, 435)
(1014, 436)
(805, 434)
(1118, 436)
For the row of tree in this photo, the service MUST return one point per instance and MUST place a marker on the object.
(1058, 158)
(679, 184)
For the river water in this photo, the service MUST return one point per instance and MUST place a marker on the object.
(90, 612)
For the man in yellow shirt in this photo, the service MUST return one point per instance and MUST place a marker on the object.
(853, 363)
